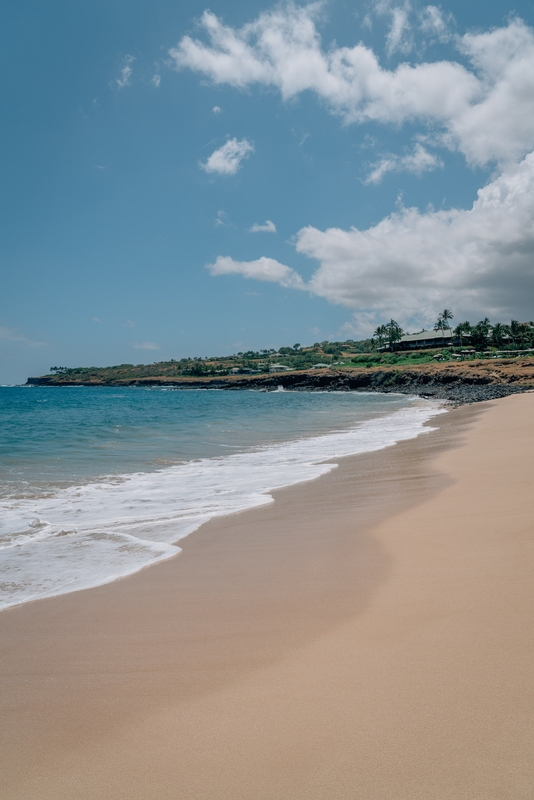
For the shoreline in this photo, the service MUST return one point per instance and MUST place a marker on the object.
(224, 490)
(300, 649)
(457, 383)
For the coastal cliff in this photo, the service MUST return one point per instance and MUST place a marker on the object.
(462, 382)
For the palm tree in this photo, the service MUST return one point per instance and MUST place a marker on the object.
(528, 335)
(461, 330)
(499, 333)
(516, 330)
(480, 332)
(394, 333)
(443, 320)
(445, 316)
(380, 334)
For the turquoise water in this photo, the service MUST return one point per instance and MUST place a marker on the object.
(59, 436)
(96, 483)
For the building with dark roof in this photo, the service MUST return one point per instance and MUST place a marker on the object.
(418, 341)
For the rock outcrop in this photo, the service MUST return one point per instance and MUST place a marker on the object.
(464, 382)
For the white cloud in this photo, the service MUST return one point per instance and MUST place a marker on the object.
(227, 159)
(381, 168)
(221, 219)
(145, 346)
(501, 125)
(263, 269)
(480, 259)
(419, 161)
(217, 109)
(363, 323)
(432, 23)
(11, 335)
(156, 80)
(486, 112)
(267, 227)
(399, 37)
(125, 78)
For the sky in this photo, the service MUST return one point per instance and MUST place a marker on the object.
(181, 179)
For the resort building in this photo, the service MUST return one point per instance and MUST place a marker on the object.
(279, 368)
(418, 341)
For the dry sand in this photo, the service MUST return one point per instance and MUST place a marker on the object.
(368, 636)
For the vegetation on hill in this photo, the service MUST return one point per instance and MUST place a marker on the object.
(471, 341)
(296, 357)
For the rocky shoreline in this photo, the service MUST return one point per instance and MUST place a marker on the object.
(456, 383)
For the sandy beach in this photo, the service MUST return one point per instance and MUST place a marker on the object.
(367, 636)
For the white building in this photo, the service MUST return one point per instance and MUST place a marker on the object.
(279, 368)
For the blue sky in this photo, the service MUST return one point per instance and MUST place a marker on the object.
(142, 142)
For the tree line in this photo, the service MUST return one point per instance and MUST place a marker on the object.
(519, 335)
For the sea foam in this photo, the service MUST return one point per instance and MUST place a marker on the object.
(90, 534)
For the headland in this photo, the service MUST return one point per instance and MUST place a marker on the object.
(468, 381)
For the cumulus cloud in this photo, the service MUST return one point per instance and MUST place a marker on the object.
(145, 346)
(267, 227)
(125, 77)
(227, 159)
(485, 111)
(216, 109)
(263, 269)
(480, 259)
(419, 161)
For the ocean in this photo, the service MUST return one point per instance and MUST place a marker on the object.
(97, 483)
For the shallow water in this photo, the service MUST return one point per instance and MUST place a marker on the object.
(96, 483)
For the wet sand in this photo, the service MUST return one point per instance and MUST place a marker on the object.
(366, 636)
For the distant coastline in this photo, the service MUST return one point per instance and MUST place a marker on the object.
(464, 382)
